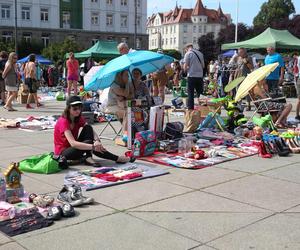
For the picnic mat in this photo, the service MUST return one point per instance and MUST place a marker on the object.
(110, 176)
(179, 161)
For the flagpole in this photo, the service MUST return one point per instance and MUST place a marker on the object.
(237, 21)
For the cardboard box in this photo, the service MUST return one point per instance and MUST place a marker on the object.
(22, 98)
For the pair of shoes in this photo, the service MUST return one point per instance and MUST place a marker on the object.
(28, 106)
(9, 108)
(57, 212)
(73, 196)
(39, 105)
(293, 145)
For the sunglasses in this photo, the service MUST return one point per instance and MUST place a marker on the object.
(76, 108)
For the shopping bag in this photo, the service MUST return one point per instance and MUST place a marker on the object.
(60, 96)
(40, 164)
(192, 120)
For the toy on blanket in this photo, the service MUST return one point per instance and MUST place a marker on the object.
(235, 115)
(264, 122)
(14, 188)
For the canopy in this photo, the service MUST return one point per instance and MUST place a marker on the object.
(40, 59)
(281, 39)
(229, 53)
(101, 49)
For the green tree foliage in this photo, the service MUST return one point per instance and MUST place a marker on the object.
(273, 11)
(207, 46)
(26, 48)
(8, 47)
(57, 51)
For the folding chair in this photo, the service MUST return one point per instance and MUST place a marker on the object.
(109, 120)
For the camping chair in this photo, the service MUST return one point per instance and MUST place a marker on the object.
(109, 124)
(261, 106)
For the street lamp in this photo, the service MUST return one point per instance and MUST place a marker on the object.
(135, 23)
(16, 28)
(237, 21)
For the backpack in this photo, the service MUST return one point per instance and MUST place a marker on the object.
(173, 130)
(144, 143)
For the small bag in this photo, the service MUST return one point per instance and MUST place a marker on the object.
(173, 130)
(144, 143)
(40, 164)
(192, 120)
(60, 96)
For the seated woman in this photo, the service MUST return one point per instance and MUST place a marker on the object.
(71, 145)
(283, 109)
(120, 91)
(141, 92)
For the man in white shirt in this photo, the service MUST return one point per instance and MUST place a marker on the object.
(193, 66)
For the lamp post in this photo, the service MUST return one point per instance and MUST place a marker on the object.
(16, 28)
(135, 23)
(237, 21)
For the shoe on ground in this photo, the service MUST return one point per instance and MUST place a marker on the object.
(68, 195)
(28, 106)
(68, 210)
(54, 213)
(297, 117)
(77, 193)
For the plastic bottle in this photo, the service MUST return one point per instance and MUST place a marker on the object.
(182, 146)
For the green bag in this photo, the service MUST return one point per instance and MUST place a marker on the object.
(40, 164)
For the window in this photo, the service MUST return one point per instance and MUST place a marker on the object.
(94, 1)
(174, 29)
(194, 29)
(94, 41)
(138, 3)
(27, 37)
(109, 2)
(7, 36)
(94, 18)
(184, 40)
(171, 41)
(200, 19)
(162, 41)
(66, 19)
(174, 40)
(166, 30)
(138, 21)
(110, 38)
(171, 29)
(25, 12)
(194, 40)
(44, 14)
(123, 21)
(45, 39)
(185, 28)
(5, 11)
(166, 41)
(124, 39)
(213, 28)
(109, 20)
(204, 29)
(123, 2)
(200, 28)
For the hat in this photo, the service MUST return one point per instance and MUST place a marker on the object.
(188, 45)
(73, 100)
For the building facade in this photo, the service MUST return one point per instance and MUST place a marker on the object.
(85, 21)
(176, 28)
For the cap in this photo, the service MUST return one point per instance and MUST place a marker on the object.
(73, 100)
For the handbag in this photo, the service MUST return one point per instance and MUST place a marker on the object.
(192, 121)
(40, 164)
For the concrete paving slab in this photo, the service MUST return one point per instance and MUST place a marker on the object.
(12, 246)
(38, 187)
(204, 247)
(255, 164)
(18, 152)
(261, 191)
(288, 173)
(200, 178)
(201, 226)
(137, 193)
(277, 232)
(83, 213)
(117, 231)
(4, 238)
(295, 209)
(199, 202)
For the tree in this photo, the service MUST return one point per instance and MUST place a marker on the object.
(57, 51)
(25, 48)
(7, 46)
(207, 46)
(273, 11)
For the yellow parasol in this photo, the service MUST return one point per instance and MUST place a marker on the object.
(253, 78)
(230, 86)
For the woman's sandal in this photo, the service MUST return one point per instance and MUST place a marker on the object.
(292, 146)
(90, 162)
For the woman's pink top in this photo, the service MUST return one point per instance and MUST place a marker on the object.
(72, 66)
(60, 140)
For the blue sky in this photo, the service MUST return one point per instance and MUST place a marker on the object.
(247, 11)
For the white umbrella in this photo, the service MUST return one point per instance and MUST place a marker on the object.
(89, 75)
